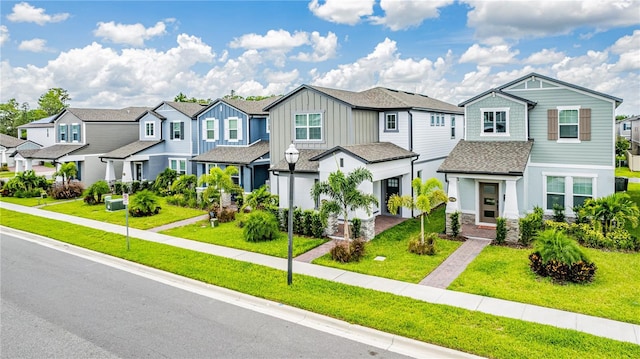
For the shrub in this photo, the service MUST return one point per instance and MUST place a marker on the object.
(358, 249)
(622, 239)
(27, 184)
(261, 226)
(298, 225)
(455, 223)
(530, 225)
(184, 184)
(69, 191)
(162, 183)
(121, 187)
(317, 225)
(93, 194)
(558, 213)
(348, 251)
(553, 244)
(428, 247)
(307, 222)
(579, 272)
(226, 215)
(284, 219)
(135, 186)
(143, 204)
(501, 230)
(357, 227)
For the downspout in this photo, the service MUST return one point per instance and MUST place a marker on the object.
(411, 149)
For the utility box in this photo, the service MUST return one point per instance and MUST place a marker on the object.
(114, 204)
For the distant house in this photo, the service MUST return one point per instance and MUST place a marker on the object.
(41, 131)
(165, 137)
(10, 145)
(634, 138)
(535, 141)
(396, 135)
(235, 132)
(623, 127)
(82, 135)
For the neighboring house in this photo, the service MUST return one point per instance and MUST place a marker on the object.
(535, 141)
(634, 150)
(623, 127)
(9, 146)
(82, 135)
(41, 131)
(235, 132)
(394, 134)
(165, 136)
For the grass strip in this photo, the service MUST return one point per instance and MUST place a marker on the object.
(456, 328)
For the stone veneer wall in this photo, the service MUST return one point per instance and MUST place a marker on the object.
(368, 228)
(332, 225)
(513, 226)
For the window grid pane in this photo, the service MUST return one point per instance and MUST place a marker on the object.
(555, 184)
(582, 186)
(488, 122)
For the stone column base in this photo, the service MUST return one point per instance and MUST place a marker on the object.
(513, 230)
(368, 228)
(332, 225)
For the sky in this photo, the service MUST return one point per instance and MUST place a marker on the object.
(114, 54)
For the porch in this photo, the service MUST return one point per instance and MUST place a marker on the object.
(478, 231)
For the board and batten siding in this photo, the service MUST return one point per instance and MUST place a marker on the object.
(104, 137)
(220, 112)
(516, 120)
(365, 127)
(598, 151)
(336, 122)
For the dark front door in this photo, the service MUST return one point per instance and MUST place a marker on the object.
(489, 202)
(138, 171)
(391, 187)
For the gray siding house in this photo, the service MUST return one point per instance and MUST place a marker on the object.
(536, 141)
(9, 146)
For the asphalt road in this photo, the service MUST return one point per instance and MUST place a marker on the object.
(55, 304)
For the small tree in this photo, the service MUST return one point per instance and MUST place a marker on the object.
(220, 180)
(67, 171)
(93, 194)
(428, 195)
(344, 194)
(612, 211)
(162, 184)
(261, 199)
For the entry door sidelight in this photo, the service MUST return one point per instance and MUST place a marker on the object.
(489, 202)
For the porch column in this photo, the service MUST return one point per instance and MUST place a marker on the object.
(19, 166)
(511, 200)
(58, 178)
(453, 205)
(110, 174)
(4, 157)
(127, 172)
(27, 165)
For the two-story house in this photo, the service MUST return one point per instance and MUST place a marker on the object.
(10, 145)
(82, 135)
(535, 141)
(40, 131)
(633, 155)
(236, 132)
(165, 136)
(396, 135)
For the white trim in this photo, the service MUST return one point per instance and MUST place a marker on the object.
(267, 124)
(559, 86)
(494, 110)
(485, 177)
(569, 139)
(205, 130)
(569, 166)
(493, 94)
(477, 196)
(146, 133)
(178, 160)
(308, 140)
(568, 188)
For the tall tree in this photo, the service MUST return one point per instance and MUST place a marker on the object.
(9, 111)
(344, 194)
(428, 195)
(54, 101)
(183, 98)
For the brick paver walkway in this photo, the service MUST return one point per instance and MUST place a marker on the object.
(317, 252)
(453, 266)
(180, 223)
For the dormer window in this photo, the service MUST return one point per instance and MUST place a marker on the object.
(495, 122)
(149, 129)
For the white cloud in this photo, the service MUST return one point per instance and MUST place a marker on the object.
(545, 56)
(405, 14)
(348, 12)
(24, 12)
(484, 56)
(4, 34)
(529, 18)
(628, 50)
(324, 48)
(627, 43)
(275, 40)
(34, 45)
(134, 34)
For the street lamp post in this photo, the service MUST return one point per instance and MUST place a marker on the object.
(291, 155)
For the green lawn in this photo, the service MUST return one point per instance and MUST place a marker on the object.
(229, 235)
(399, 263)
(634, 193)
(7, 174)
(168, 214)
(32, 202)
(503, 272)
(626, 172)
(456, 328)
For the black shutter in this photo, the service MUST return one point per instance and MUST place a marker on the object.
(171, 130)
(182, 130)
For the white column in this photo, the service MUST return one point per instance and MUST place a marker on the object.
(110, 174)
(4, 157)
(28, 165)
(511, 201)
(454, 202)
(58, 178)
(127, 175)
(19, 165)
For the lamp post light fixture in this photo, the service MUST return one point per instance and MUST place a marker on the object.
(291, 155)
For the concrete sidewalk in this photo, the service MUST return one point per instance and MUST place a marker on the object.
(589, 324)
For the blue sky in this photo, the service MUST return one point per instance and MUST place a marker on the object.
(115, 53)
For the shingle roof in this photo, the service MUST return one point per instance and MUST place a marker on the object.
(371, 152)
(130, 149)
(240, 155)
(10, 141)
(127, 114)
(488, 157)
(52, 152)
(303, 165)
(251, 107)
(518, 98)
(43, 122)
(189, 109)
(381, 98)
(24, 153)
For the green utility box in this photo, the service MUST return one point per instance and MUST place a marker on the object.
(114, 204)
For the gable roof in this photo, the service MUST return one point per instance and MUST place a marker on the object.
(529, 103)
(52, 152)
(189, 109)
(43, 122)
(488, 157)
(127, 114)
(379, 98)
(304, 163)
(240, 155)
(370, 152)
(10, 141)
(152, 113)
(130, 149)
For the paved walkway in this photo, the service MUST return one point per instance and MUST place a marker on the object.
(456, 263)
(317, 252)
(180, 223)
(589, 324)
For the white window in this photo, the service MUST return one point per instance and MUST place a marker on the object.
(209, 166)
(75, 132)
(210, 129)
(177, 130)
(495, 121)
(391, 122)
(232, 129)
(149, 129)
(568, 191)
(268, 123)
(582, 190)
(433, 120)
(178, 165)
(626, 126)
(568, 123)
(308, 127)
(453, 126)
(555, 191)
(62, 133)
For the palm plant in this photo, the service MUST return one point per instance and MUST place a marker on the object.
(184, 184)
(67, 171)
(162, 184)
(554, 244)
(428, 195)
(612, 211)
(344, 194)
(261, 199)
(220, 181)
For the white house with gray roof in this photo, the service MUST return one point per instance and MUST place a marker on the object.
(82, 135)
(535, 141)
(10, 145)
(397, 135)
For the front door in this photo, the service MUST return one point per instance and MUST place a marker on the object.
(391, 187)
(138, 171)
(489, 197)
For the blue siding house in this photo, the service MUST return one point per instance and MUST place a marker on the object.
(536, 141)
(235, 132)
